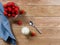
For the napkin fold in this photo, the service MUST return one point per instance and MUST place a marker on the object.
(5, 30)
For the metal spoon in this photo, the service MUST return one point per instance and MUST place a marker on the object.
(31, 24)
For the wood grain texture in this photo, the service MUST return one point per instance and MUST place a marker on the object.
(35, 2)
(46, 16)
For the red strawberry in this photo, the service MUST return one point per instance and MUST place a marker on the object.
(5, 13)
(13, 15)
(16, 13)
(13, 7)
(19, 22)
(16, 9)
(33, 34)
(9, 9)
(10, 3)
(5, 9)
(22, 12)
(13, 11)
(9, 15)
(5, 5)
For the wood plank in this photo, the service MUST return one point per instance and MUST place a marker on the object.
(40, 42)
(46, 33)
(36, 41)
(49, 11)
(42, 10)
(41, 21)
(35, 2)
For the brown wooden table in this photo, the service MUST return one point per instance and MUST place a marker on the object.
(46, 16)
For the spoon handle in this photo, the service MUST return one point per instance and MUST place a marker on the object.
(37, 29)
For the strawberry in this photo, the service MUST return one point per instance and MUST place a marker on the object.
(5, 13)
(22, 12)
(5, 9)
(33, 34)
(16, 9)
(16, 13)
(5, 5)
(10, 3)
(13, 15)
(9, 15)
(19, 22)
(9, 9)
(13, 11)
(13, 7)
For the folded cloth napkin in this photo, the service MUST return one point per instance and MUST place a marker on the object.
(5, 30)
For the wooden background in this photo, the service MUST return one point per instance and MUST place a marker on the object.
(46, 16)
